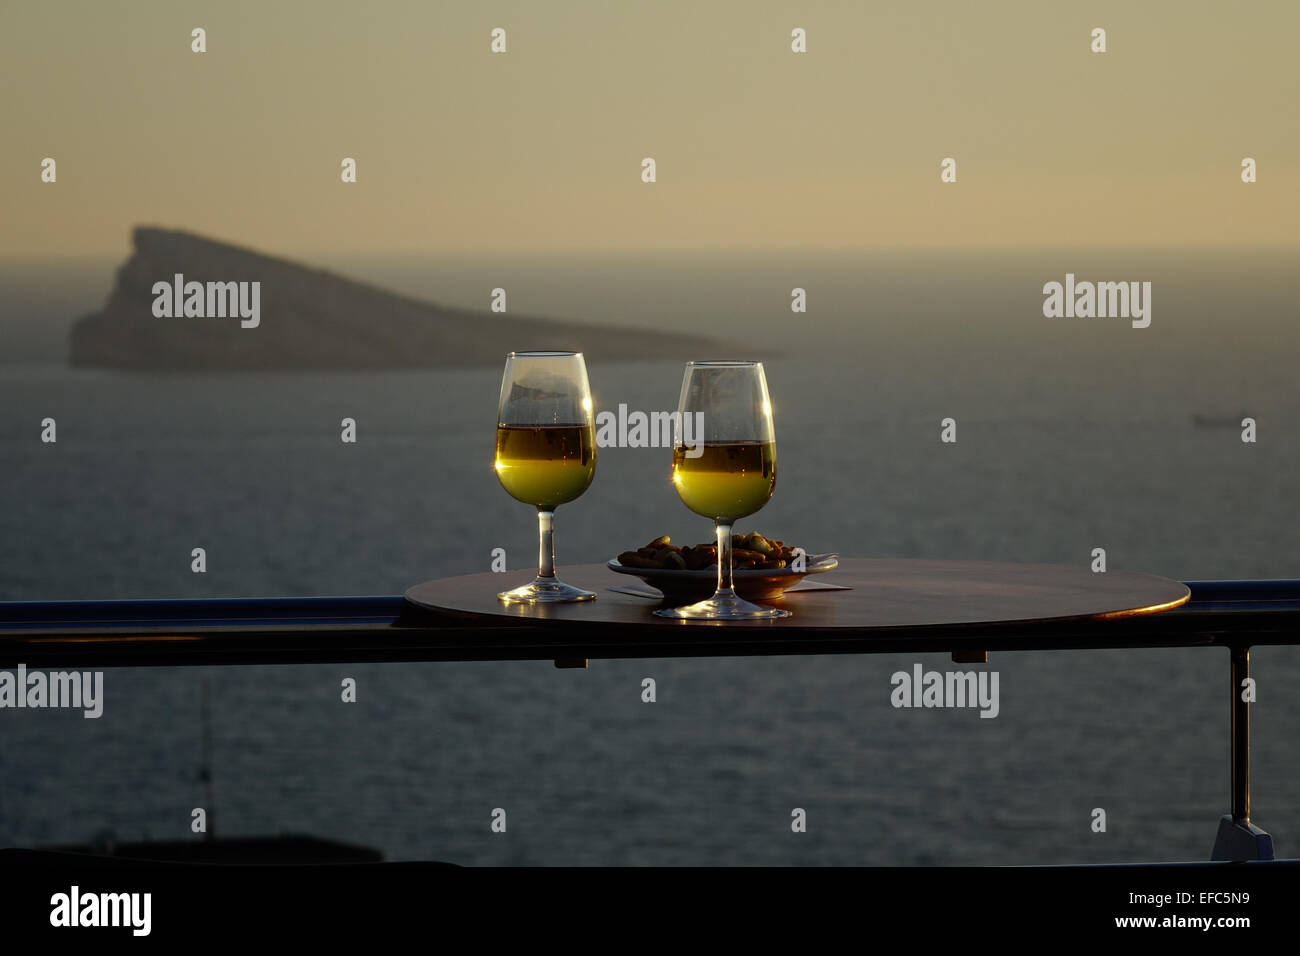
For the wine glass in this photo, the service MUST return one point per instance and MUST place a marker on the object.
(546, 453)
(727, 470)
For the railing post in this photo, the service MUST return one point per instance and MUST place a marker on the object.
(1238, 839)
(1240, 729)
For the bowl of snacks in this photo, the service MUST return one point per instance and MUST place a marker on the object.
(762, 568)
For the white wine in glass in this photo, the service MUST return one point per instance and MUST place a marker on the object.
(545, 454)
(731, 474)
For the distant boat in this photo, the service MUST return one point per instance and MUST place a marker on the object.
(1218, 421)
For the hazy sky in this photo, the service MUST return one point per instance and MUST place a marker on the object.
(458, 148)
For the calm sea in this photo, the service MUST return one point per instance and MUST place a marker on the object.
(1072, 435)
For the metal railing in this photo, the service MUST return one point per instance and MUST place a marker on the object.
(1236, 615)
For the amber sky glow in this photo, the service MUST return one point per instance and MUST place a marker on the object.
(458, 148)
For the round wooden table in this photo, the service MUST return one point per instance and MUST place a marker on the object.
(888, 596)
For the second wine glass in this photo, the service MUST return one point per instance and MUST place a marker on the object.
(727, 471)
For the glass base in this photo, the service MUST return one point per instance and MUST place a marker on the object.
(545, 591)
(723, 607)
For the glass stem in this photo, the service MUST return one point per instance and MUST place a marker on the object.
(723, 530)
(546, 543)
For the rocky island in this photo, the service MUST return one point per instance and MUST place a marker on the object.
(183, 302)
